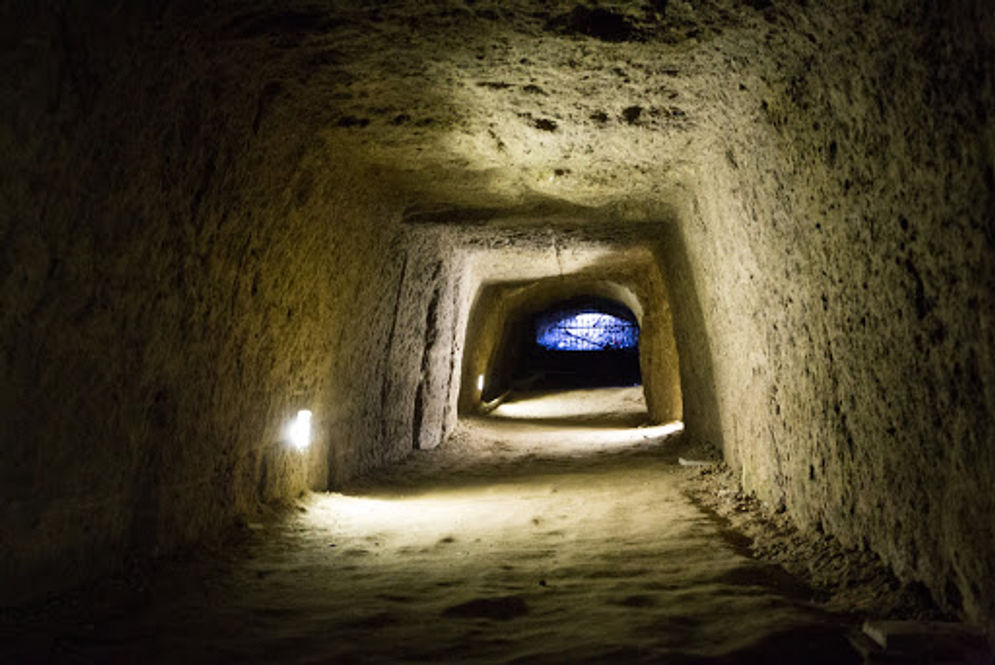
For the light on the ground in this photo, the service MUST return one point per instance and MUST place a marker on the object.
(299, 431)
(662, 430)
(571, 422)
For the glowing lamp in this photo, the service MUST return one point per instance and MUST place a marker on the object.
(300, 430)
(480, 383)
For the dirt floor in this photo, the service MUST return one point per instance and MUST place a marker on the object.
(536, 535)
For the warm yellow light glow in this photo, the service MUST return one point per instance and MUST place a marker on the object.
(480, 383)
(579, 421)
(474, 514)
(299, 432)
(422, 520)
(576, 404)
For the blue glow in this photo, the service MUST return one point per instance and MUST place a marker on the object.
(586, 330)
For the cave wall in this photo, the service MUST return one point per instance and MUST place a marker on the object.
(840, 249)
(424, 345)
(179, 275)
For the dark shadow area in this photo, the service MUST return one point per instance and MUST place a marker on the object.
(541, 369)
(811, 645)
(814, 645)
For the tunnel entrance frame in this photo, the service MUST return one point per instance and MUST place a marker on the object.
(627, 273)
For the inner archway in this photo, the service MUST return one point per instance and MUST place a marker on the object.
(603, 321)
(584, 342)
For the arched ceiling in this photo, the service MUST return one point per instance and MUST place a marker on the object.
(515, 103)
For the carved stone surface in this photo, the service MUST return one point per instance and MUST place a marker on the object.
(212, 217)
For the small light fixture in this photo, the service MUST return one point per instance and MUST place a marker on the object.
(480, 383)
(300, 430)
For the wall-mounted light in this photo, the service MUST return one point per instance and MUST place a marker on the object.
(299, 431)
(480, 383)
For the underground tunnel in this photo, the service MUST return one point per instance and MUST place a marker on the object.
(478, 331)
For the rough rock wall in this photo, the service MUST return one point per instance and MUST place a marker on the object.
(179, 273)
(842, 248)
(421, 371)
(702, 423)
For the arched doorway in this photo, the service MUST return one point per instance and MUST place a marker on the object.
(584, 342)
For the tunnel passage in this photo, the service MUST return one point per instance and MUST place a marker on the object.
(202, 235)
(580, 343)
(599, 316)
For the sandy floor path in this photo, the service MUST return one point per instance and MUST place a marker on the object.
(497, 548)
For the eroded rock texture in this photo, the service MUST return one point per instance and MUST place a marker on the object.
(213, 217)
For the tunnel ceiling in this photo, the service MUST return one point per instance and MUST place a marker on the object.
(518, 103)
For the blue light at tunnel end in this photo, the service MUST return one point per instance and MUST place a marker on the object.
(586, 330)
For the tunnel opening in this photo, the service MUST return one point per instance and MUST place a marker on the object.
(579, 343)
(588, 338)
